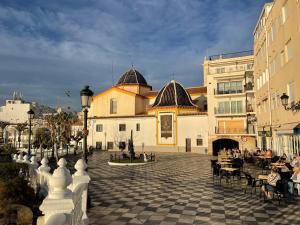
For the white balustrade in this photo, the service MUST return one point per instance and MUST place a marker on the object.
(65, 195)
(20, 158)
(26, 160)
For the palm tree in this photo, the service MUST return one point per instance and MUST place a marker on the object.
(20, 128)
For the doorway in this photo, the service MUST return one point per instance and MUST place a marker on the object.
(188, 145)
(224, 143)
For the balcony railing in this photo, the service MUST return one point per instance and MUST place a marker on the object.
(227, 92)
(222, 111)
(230, 55)
(234, 130)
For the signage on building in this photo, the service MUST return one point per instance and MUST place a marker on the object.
(244, 139)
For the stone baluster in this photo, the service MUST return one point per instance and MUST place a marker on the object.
(20, 158)
(82, 177)
(59, 200)
(43, 171)
(60, 180)
(34, 162)
(15, 157)
(25, 159)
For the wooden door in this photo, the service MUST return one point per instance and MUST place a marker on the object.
(188, 145)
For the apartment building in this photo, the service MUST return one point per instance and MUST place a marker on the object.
(231, 108)
(276, 74)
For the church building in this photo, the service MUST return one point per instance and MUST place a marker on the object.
(171, 120)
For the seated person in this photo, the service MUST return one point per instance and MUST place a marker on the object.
(295, 161)
(283, 158)
(258, 152)
(268, 188)
(294, 179)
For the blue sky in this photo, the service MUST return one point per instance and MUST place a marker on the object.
(48, 47)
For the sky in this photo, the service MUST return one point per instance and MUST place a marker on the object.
(49, 47)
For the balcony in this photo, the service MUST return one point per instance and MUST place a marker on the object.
(227, 92)
(230, 55)
(229, 112)
(234, 130)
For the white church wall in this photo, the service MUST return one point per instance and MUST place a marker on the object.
(193, 127)
(110, 131)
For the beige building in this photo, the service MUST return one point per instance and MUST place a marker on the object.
(276, 71)
(230, 96)
(173, 119)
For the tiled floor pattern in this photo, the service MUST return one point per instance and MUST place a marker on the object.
(177, 189)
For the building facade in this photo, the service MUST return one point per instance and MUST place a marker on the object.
(276, 71)
(171, 120)
(14, 112)
(231, 108)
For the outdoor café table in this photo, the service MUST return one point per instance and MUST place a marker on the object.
(263, 177)
(277, 164)
(229, 171)
(264, 157)
(225, 164)
(225, 160)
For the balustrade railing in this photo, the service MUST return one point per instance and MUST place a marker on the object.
(65, 195)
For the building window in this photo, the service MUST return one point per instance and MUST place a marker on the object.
(288, 50)
(284, 12)
(291, 92)
(199, 141)
(230, 87)
(113, 106)
(122, 127)
(99, 145)
(122, 145)
(99, 127)
(220, 70)
(249, 66)
(138, 127)
(110, 145)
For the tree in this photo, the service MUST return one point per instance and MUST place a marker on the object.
(42, 139)
(77, 138)
(20, 128)
(3, 124)
(60, 130)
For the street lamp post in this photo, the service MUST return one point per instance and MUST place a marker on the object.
(86, 98)
(30, 117)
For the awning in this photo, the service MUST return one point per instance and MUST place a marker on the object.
(287, 128)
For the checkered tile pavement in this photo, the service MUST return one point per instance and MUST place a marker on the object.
(177, 189)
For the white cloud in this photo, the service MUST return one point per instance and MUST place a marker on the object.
(76, 44)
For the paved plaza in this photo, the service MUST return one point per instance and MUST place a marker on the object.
(177, 189)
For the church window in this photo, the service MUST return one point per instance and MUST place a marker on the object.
(113, 106)
(122, 127)
(99, 128)
(110, 145)
(99, 145)
(138, 127)
(199, 141)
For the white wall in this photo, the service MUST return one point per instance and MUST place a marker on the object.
(14, 112)
(193, 127)
(111, 131)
